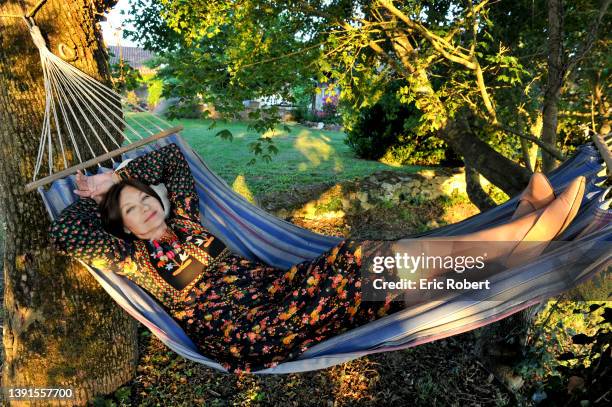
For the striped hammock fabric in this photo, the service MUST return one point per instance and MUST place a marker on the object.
(253, 233)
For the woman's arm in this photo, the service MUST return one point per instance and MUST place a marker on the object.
(78, 232)
(167, 165)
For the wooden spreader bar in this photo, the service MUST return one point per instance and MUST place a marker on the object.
(72, 170)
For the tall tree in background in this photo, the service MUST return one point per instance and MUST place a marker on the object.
(456, 69)
(565, 62)
(61, 329)
(560, 64)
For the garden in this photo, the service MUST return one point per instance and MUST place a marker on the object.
(366, 120)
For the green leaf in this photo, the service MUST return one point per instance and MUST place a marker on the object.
(225, 134)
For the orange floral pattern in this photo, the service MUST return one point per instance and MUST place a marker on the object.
(267, 315)
(244, 314)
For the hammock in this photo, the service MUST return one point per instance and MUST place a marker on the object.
(258, 235)
(74, 97)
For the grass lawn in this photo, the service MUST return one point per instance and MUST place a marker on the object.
(306, 156)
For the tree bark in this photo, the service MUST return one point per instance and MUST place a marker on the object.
(477, 195)
(61, 329)
(556, 72)
(601, 104)
(478, 155)
(529, 150)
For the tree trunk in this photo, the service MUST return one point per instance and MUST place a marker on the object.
(478, 155)
(601, 105)
(503, 172)
(500, 346)
(477, 195)
(61, 329)
(530, 150)
(313, 104)
(556, 72)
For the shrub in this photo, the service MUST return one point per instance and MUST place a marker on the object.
(301, 97)
(330, 113)
(567, 357)
(300, 114)
(186, 109)
(125, 78)
(155, 88)
(384, 131)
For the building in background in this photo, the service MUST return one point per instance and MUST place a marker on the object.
(133, 56)
(125, 61)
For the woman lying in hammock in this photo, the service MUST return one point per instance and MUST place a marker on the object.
(245, 314)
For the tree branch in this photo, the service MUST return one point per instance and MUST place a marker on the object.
(544, 146)
(590, 39)
(403, 70)
(390, 59)
(436, 41)
(484, 93)
(439, 44)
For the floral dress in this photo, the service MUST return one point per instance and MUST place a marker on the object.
(244, 314)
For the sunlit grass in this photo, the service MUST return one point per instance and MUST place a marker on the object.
(306, 156)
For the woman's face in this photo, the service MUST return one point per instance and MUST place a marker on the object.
(141, 213)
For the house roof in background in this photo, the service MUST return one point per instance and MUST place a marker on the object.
(134, 56)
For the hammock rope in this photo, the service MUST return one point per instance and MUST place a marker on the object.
(79, 109)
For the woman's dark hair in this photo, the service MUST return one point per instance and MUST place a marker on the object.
(110, 210)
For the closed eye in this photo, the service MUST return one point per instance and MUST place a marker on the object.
(144, 196)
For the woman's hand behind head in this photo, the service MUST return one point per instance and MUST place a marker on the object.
(94, 186)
